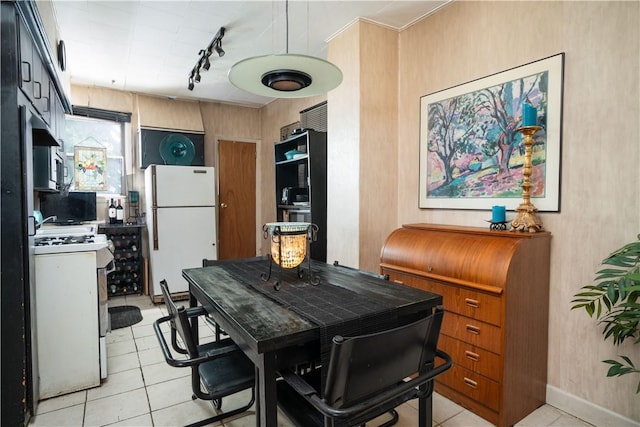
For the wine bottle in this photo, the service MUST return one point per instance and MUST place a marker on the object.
(112, 213)
(119, 213)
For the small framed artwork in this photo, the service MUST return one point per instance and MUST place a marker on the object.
(90, 171)
(471, 156)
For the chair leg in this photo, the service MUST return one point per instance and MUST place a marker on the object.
(394, 418)
(224, 415)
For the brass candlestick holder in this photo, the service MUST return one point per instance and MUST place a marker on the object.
(527, 214)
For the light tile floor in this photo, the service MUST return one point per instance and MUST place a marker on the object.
(142, 390)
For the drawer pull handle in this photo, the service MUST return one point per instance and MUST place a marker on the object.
(471, 383)
(473, 329)
(472, 302)
(398, 281)
(471, 355)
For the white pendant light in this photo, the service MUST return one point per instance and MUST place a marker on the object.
(285, 75)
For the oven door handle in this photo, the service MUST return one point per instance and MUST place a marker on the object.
(32, 225)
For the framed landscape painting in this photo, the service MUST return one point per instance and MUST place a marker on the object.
(471, 155)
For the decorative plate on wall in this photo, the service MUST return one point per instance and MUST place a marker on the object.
(170, 147)
(176, 149)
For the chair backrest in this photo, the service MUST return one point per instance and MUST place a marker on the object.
(179, 320)
(355, 270)
(363, 366)
(168, 301)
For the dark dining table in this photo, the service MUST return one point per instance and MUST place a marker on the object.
(294, 324)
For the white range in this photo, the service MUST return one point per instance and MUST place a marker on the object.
(61, 239)
(72, 316)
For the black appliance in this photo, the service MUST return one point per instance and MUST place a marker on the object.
(295, 195)
(47, 168)
(170, 147)
(71, 208)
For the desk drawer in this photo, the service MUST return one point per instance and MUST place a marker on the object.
(471, 357)
(477, 387)
(472, 331)
(475, 304)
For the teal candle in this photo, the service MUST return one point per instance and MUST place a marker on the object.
(498, 214)
(529, 115)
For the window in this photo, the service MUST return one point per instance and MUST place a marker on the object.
(96, 133)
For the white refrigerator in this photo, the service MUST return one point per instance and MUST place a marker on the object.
(181, 223)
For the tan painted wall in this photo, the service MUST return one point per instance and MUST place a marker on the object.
(96, 97)
(227, 121)
(362, 148)
(343, 152)
(168, 113)
(600, 194)
(378, 147)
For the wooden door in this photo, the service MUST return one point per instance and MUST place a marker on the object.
(237, 201)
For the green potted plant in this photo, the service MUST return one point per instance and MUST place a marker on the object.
(614, 300)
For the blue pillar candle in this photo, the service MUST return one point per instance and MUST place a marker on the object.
(498, 214)
(529, 115)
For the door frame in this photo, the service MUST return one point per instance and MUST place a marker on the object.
(257, 143)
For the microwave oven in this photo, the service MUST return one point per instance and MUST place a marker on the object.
(48, 169)
(296, 215)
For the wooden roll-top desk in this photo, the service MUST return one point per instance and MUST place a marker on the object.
(495, 288)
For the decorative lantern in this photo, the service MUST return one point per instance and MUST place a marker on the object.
(290, 242)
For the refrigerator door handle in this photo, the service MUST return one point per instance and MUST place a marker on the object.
(155, 228)
(154, 206)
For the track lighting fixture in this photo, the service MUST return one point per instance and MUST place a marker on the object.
(203, 60)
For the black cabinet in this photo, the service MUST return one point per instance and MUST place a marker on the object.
(128, 276)
(21, 122)
(38, 86)
(301, 184)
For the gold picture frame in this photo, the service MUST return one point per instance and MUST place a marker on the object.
(90, 168)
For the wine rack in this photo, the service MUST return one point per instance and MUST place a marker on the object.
(128, 276)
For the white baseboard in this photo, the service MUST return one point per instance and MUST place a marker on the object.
(585, 410)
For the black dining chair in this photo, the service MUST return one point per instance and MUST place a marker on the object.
(217, 329)
(219, 367)
(368, 376)
(355, 270)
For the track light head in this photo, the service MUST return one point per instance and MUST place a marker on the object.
(190, 87)
(197, 77)
(206, 64)
(218, 48)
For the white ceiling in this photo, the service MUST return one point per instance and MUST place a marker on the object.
(151, 46)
